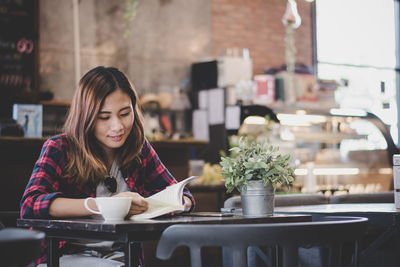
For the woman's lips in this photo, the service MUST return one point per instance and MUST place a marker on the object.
(116, 138)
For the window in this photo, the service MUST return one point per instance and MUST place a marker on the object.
(356, 44)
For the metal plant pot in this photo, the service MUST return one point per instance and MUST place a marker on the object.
(258, 200)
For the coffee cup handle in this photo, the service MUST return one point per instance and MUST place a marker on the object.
(85, 203)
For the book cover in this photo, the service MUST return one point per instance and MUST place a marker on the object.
(166, 201)
(30, 117)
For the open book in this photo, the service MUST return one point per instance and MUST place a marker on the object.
(166, 201)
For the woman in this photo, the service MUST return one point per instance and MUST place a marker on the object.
(102, 152)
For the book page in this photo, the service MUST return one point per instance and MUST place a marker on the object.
(155, 211)
(172, 195)
(166, 201)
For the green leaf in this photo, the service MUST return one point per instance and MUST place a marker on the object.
(235, 149)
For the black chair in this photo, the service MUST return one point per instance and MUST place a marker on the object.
(332, 231)
(19, 247)
(259, 257)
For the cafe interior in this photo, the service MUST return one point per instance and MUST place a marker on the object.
(318, 79)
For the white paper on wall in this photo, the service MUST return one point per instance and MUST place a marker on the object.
(203, 99)
(216, 106)
(232, 121)
(200, 124)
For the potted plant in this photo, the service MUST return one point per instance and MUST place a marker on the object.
(255, 169)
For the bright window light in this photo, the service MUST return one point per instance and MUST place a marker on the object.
(300, 120)
(255, 120)
(348, 112)
(329, 171)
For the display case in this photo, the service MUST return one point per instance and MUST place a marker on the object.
(335, 150)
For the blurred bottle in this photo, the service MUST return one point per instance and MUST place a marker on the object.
(310, 181)
(396, 179)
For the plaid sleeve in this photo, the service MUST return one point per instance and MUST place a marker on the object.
(43, 185)
(157, 176)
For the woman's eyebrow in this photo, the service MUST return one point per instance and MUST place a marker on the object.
(125, 108)
(109, 112)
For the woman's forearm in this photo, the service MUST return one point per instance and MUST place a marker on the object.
(70, 207)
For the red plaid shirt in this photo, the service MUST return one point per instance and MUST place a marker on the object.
(49, 180)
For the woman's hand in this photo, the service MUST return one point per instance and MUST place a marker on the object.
(187, 203)
(138, 204)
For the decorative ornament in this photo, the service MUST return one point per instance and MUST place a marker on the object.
(291, 17)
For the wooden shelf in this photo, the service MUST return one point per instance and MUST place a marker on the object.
(325, 137)
(311, 107)
(189, 142)
(55, 103)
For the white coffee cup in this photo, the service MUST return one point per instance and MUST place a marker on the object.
(111, 208)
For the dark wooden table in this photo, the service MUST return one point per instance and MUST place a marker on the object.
(131, 233)
(382, 216)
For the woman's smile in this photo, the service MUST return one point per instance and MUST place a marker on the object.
(116, 138)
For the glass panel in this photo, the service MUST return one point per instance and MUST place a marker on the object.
(364, 91)
(374, 138)
(356, 32)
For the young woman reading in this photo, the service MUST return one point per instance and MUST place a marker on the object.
(102, 152)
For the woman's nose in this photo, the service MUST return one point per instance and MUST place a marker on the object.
(116, 124)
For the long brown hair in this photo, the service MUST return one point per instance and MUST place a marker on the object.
(86, 161)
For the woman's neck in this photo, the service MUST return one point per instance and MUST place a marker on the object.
(109, 156)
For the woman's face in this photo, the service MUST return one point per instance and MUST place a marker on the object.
(114, 121)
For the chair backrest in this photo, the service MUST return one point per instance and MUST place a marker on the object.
(19, 247)
(288, 236)
(375, 197)
(284, 200)
(233, 202)
(300, 199)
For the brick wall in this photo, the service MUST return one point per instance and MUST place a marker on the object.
(257, 25)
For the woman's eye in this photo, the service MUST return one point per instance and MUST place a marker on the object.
(125, 114)
(103, 118)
